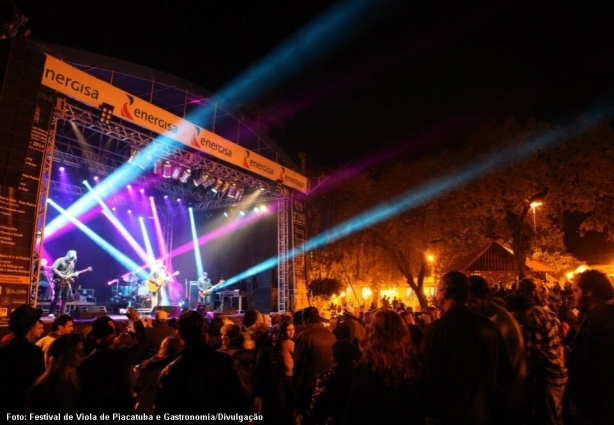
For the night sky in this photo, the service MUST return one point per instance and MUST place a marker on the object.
(398, 71)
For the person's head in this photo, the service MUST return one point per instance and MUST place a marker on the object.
(311, 315)
(66, 351)
(190, 326)
(205, 275)
(249, 318)
(71, 255)
(452, 289)
(169, 347)
(391, 352)
(479, 293)
(530, 289)
(24, 321)
(63, 324)
(286, 329)
(230, 333)
(590, 289)
(159, 263)
(161, 316)
(298, 317)
(104, 331)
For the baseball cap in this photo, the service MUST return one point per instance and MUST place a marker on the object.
(161, 316)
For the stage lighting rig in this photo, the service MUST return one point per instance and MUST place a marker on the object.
(167, 170)
(185, 175)
(106, 113)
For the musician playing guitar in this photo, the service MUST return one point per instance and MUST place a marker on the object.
(63, 270)
(204, 289)
(157, 280)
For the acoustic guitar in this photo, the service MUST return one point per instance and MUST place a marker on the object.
(155, 284)
(61, 281)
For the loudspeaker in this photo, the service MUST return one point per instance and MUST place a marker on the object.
(171, 310)
(89, 312)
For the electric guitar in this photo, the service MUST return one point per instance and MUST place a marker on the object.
(203, 293)
(61, 281)
(154, 284)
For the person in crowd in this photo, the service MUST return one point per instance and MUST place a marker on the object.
(464, 361)
(274, 398)
(158, 332)
(148, 371)
(105, 374)
(313, 354)
(480, 301)
(57, 391)
(350, 329)
(63, 269)
(414, 330)
(200, 380)
(299, 326)
(545, 353)
(254, 329)
(384, 389)
(62, 325)
(591, 369)
(332, 391)
(21, 362)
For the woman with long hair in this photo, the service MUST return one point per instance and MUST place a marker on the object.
(385, 381)
(57, 390)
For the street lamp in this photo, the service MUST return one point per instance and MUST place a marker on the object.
(534, 206)
(431, 260)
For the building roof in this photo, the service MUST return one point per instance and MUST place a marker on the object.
(494, 257)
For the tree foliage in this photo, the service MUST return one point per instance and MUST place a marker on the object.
(479, 191)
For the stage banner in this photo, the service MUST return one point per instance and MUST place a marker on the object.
(90, 90)
(18, 213)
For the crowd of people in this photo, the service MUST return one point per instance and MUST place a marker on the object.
(484, 354)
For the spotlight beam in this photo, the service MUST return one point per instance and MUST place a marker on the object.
(427, 192)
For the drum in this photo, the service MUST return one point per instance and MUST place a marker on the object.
(143, 291)
(125, 291)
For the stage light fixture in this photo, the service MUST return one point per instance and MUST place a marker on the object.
(218, 185)
(204, 178)
(185, 175)
(239, 193)
(167, 170)
(232, 191)
(133, 156)
(106, 113)
(157, 168)
(176, 172)
(224, 188)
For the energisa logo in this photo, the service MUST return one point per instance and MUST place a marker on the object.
(289, 179)
(136, 114)
(73, 85)
(251, 164)
(200, 142)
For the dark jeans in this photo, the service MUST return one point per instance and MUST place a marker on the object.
(59, 293)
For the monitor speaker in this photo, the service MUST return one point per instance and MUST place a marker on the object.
(89, 312)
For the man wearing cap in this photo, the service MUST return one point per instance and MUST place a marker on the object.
(350, 329)
(62, 268)
(21, 362)
(313, 355)
(157, 333)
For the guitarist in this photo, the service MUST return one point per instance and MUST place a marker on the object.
(204, 285)
(158, 277)
(62, 268)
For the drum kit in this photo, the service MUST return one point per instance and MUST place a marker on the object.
(129, 289)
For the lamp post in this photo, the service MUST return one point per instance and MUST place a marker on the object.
(534, 206)
(431, 261)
